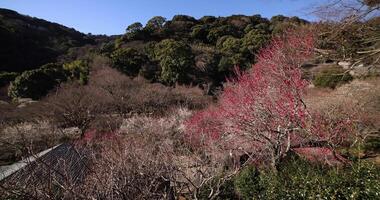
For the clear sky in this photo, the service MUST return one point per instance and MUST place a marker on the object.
(113, 16)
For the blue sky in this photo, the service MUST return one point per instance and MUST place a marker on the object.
(113, 16)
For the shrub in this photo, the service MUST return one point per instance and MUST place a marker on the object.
(75, 105)
(332, 78)
(301, 180)
(7, 77)
(77, 69)
(37, 83)
(140, 96)
(247, 183)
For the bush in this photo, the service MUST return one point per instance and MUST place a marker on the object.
(75, 105)
(247, 183)
(140, 96)
(6, 77)
(332, 78)
(78, 69)
(301, 180)
(37, 83)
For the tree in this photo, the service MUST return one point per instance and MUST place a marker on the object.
(233, 54)
(135, 31)
(134, 28)
(175, 59)
(128, 60)
(200, 32)
(217, 32)
(156, 22)
(254, 40)
(262, 109)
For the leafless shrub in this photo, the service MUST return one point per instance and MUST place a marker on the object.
(146, 159)
(76, 106)
(139, 96)
(24, 139)
(358, 100)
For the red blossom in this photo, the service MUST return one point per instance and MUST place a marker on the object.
(264, 105)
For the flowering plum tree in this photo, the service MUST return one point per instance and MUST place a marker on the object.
(264, 105)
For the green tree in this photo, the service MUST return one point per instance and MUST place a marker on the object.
(128, 60)
(175, 59)
(200, 32)
(38, 82)
(135, 31)
(156, 22)
(254, 40)
(220, 31)
(230, 47)
(135, 27)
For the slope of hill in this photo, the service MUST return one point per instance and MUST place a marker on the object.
(29, 42)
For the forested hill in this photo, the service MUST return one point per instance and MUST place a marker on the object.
(28, 42)
(182, 50)
(189, 50)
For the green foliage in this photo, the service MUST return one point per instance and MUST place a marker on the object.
(134, 28)
(298, 179)
(128, 61)
(6, 77)
(301, 180)
(149, 50)
(247, 183)
(200, 32)
(107, 48)
(230, 45)
(183, 18)
(38, 82)
(207, 19)
(233, 54)
(136, 31)
(331, 78)
(254, 40)
(217, 32)
(225, 65)
(175, 59)
(249, 28)
(156, 22)
(77, 69)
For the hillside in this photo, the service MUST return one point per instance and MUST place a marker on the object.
(228, 107)
(29, 42)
